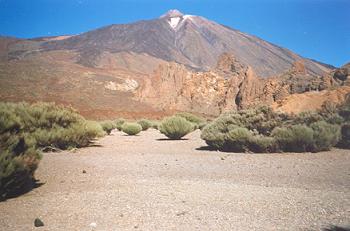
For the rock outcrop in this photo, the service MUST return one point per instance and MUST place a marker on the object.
(342, 75)
(231, 85)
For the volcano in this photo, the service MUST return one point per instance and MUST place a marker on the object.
(154, 67)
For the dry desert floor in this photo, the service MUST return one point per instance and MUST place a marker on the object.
(146, 182)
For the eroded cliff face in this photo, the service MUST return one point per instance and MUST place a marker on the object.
(174, 87)
(231, 85)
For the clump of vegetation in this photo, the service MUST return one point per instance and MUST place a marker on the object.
(131, 128)
(237, 139)
(325, 135)
(344, 112)
(202, 125)
(18, 162)
(155, 124)
(190, 117)
(345, 136)
(119, 123)
(108, 126)
(262, 144)
(25, 128)
(175, 127)
(262, 130)
(296, 138)
(145, 124)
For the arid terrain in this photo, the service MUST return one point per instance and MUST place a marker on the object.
(151, 68)
(147, 182)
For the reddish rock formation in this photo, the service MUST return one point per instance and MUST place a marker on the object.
(231, 85)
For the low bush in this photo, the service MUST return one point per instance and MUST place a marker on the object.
(237, 140)
(345, 136)
(190, 117)
(108, 126)
(344, 109)
(145, 124)
(262, 144)
(155, 124)
(175, 127)
(308, 118)
(255, 125)
(119, 123)
(262, 130)
(25, 128)
(202, 125)
(296, 138)
(131, 128)
(325, 135)
(17, 167)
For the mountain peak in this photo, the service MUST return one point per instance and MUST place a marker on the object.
(172, 14)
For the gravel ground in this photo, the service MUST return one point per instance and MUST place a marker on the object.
(150, 183)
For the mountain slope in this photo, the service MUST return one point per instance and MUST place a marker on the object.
(190, 40)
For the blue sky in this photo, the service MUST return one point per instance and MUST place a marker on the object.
(318, 29)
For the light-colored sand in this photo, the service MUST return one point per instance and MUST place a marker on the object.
(141, 183)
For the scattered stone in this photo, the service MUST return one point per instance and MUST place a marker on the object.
(38, 222)
(93, 225)
(181, 214)
(222, 158)
(136, 226)
(84, 171)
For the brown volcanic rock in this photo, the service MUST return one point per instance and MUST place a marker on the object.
(230, 86)
(310, 101)
(298, 67)
(342, 75)
(174, 87)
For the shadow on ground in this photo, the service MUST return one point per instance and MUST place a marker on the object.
(166, 139)
(29, 187)
(336, 228)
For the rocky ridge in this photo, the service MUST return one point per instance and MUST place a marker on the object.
(229, 86)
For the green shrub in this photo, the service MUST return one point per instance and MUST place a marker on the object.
(202, 125)
(261, 119)
(119, 123)
(131, 128)
(175, 127)
(296, 138)
(145, 124)
(108, 126)
(214, 134)
(237, 140)
(155, 124)
(262, 144)
(325, 135)
(18, 161)
(270, 131)
(308, 118)
(344, 109)
(24, 129)
(190, 117)
(345, 136)
(255, 127)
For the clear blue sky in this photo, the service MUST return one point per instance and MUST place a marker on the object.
(318, 29)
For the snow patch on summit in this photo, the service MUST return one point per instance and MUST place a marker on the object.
(174, 22)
